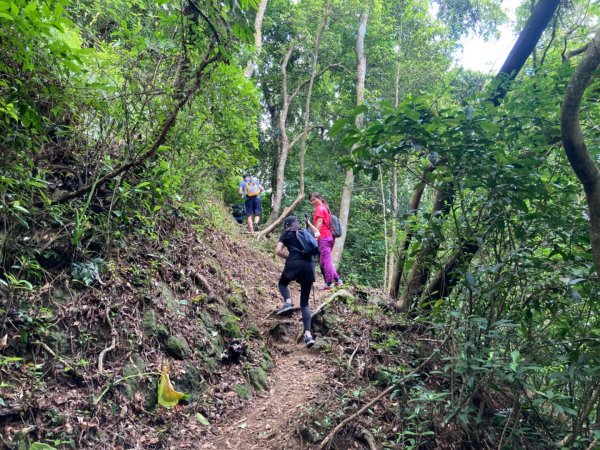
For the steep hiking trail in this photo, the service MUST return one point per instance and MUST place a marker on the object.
(81, 363)
(298, 373)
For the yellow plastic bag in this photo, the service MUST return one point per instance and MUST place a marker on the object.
(167, 395)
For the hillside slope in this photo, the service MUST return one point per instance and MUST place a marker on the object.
(80, 368)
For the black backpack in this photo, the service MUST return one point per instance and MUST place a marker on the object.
(308, 244)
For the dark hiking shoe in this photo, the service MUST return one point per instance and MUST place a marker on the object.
(285, 309)
(309, 341)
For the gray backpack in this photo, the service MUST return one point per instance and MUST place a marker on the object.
(335, 225)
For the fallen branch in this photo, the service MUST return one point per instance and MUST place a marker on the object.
(109, 348)
(341, 293)
(366, 436)
(352, 356)
(389, 389)
(53, 354)
(284, 214)
(120, 380)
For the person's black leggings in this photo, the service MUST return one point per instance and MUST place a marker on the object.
(304, 297)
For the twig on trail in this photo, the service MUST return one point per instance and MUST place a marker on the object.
(204, 284)
(368, 438)
(109, 348)
(389, 389)
(352, 356)
(341, 293)
(53, 354)
(120, 380)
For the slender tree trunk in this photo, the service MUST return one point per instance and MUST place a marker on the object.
(388, 249)
(360, 99)
(303, 135)
(393, 254)
(526, 42)
(286, 144)
(579, 157)
(258, 20)
(283, 137)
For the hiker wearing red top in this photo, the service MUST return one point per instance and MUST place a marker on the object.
(322, 221)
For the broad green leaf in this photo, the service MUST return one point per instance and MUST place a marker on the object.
(41, 446)
(203, 420)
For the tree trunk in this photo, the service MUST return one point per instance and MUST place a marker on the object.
(283, 138)
(393, 254)
(413, 208)
(286, 145)
(388, 249)
(360, 98)
(258, 20)
(579, 157)
(526, 42)
(420, 270)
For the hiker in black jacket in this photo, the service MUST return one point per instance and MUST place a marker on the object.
(298, 267)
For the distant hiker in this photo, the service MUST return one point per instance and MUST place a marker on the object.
(299, 267)
(322, 222)
(237, 211)
(251, 189)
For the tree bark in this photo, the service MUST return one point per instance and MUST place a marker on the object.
(360, 99)
(420, 270)
(413, 208)
(579, 157)
(526, 42)
(258, 20)
(393, 254)
(388, 249)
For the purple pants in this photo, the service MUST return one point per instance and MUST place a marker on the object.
(325, 247)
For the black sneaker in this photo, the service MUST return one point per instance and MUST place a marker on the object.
(285, 309)
(309, 341)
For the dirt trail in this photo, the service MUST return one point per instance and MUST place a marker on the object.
(263, 422)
